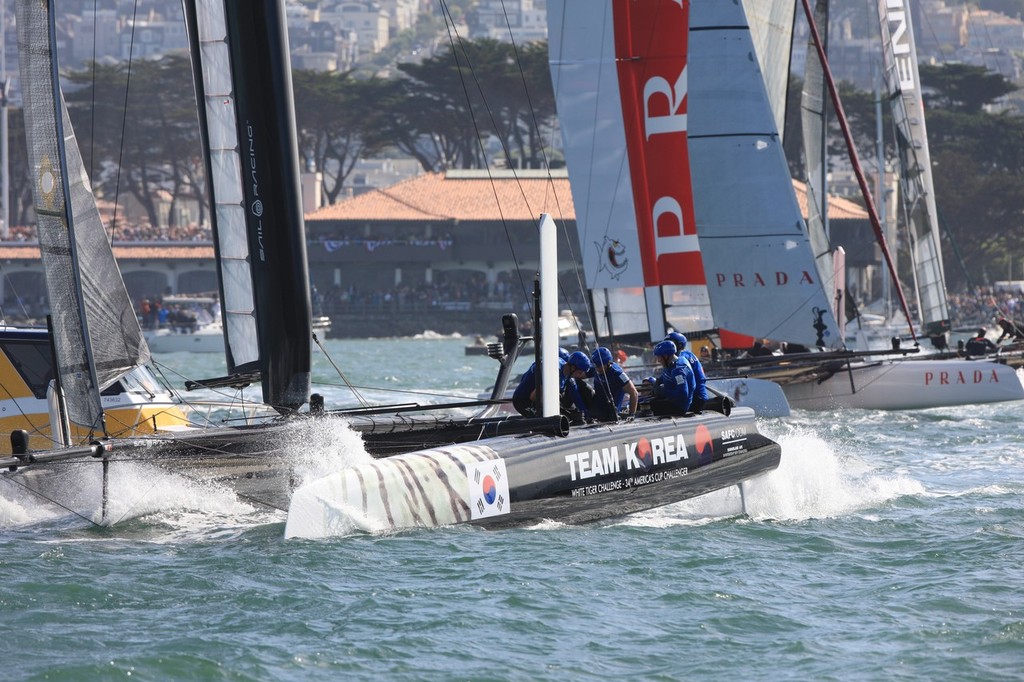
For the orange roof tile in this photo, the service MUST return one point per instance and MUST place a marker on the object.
(462, 196)
(838, 208)
(475, 195)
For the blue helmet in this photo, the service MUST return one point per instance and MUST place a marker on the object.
(664, 349)
(580, 361)
(678, 339)
(601, 356)
(564, 354)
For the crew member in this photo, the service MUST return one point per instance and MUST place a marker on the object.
(673, 390)
(759, 350)
(700, 392)
(1010, 329)
(611, 386)
(571, 372)
(980, 345)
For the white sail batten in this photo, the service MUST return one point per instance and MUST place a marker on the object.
(761, 272)
(228, 196)
(903, 84)
(96, 332)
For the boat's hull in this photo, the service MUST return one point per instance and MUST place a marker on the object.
(908, 384)
(765, 398)
(206, 340)
(593, 473)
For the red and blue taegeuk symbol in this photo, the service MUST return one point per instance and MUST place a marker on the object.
(644, 454)
(703, 444)
(489, 489)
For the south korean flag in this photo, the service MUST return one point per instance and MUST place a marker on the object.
(488, 488)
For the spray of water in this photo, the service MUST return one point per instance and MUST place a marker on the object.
(815, 479)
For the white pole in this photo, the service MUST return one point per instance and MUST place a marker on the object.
(549, 315)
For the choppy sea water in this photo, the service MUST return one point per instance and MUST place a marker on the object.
(886, 546)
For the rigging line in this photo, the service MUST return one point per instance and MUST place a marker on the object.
(341, 374)
(379, 389)
(92, 122)
(550, 183)
(227, 396)
(49, 499)
(124, 120)
(483, 153)
(9, 283)
(450, 27)
(36, 430)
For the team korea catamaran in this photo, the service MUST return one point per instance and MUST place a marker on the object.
(432, 467)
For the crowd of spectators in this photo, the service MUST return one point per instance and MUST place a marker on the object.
(468, 291)
(176, 233)
(983, 307)
(129, 233)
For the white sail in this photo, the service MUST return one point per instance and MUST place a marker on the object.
(760, 267)
(903, 84)
(771, 28)
(670, 136)
(621, 96)
(231, 233)
(814, 107)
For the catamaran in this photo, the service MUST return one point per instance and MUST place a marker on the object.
(433, 468)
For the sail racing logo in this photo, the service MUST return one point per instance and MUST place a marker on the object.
(254, 185)
(612, 256)
(900, 36)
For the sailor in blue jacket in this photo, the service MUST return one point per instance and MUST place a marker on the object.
(673, 390)
(700, 394)
(570, 371)
(611, 387)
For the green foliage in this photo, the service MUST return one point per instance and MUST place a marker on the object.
(977, 164)
(1011, 8)
(962, 87)
(137, 126)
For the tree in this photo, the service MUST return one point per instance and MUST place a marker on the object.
(337, 117)
(962, 87)
(146, 141)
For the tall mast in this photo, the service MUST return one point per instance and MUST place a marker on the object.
(855, 160)
(5, 159)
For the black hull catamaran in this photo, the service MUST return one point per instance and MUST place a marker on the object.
(429, 468)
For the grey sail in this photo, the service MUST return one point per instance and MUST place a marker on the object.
(813, 117)
(903, 84)
(96, 332)
(771, 30)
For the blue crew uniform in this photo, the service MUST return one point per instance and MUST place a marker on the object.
(700, 392)
(610, 392)
(567, 388)
(673, 390)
